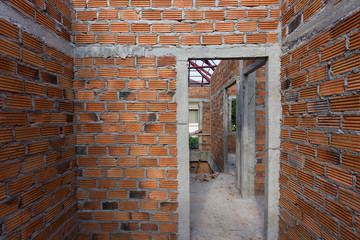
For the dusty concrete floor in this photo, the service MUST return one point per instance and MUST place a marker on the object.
(218, 212)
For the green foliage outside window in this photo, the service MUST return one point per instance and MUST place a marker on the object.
(193, 142)
(233, 115)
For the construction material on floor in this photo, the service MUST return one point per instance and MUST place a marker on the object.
(218, 211)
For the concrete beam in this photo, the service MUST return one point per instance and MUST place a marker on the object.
(254, 66)
(199, 100)
(181, 52)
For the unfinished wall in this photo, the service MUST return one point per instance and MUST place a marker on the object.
(227, 70)
(125, 110)
(260, 132)
(140, 200)
(54, 15)
(320, 169)
(175, 22)
(127, 147)
(37, 141)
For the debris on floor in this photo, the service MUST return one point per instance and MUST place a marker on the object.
(219, 212)
(205, 177)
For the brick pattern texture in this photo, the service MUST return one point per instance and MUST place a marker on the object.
(320, 170)
(146, 184)
(175, 22)
(294, 13)
(217, 129)
(227, 70)
(54, 15)
(96, 153)
(260, 132)
(37, 139)
(126, 139)
(199, 92)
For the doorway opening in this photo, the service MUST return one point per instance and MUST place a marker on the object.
(271, 56)
(220, 207)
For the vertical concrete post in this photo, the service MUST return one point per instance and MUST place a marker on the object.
(226, 128)
(183, 149)
(250, 141)
(272, 145)
(246, 133)
(239, 100)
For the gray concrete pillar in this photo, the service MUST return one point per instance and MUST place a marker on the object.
(272, 145)
(246, 133)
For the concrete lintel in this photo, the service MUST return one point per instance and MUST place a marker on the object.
(199, 100)
(325, 19)
(139, 9)
(254, 66)
(181, 52)
(24, 23)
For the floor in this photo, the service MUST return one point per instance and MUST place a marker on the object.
(218, 211)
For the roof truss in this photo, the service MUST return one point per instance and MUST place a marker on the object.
(205, 68)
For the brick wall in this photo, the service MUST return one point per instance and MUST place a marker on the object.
(54, 15)
(141, 23)
(227, 70)
(295, 13)
(201, 93)
(126, 138)
(124, 113)
(320, 169)
(175, 22)
(37, 139)
(260, 132)
(217, 129)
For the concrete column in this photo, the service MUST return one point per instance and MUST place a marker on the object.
(272, 164)
(183, 149)
(239, 101)
(226, 128)
(246, 133)
(250, 141)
